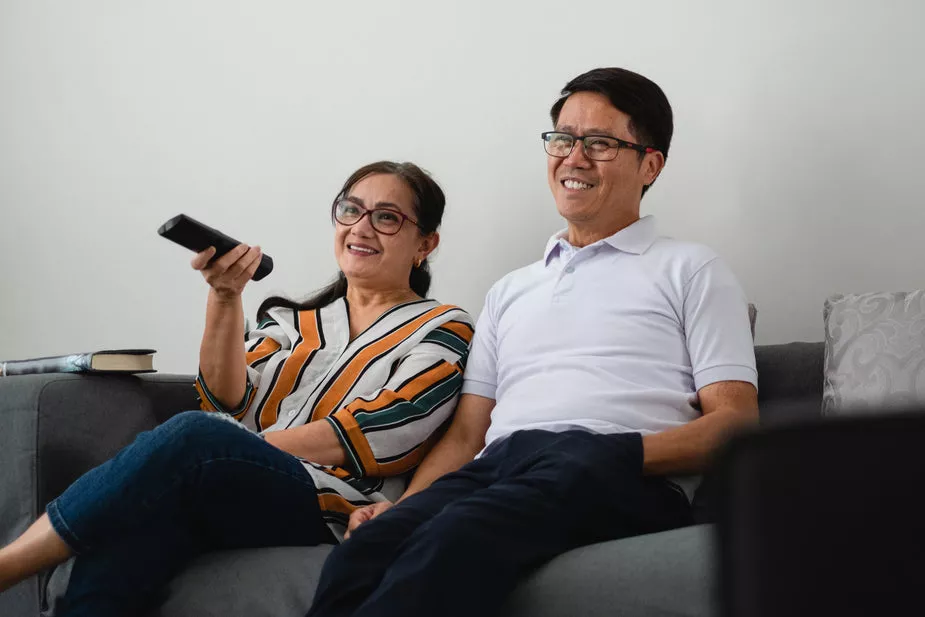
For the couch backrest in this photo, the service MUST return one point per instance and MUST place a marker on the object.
(789, 381)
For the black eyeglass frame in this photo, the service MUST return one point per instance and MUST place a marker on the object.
(404, 217)
(621, 143)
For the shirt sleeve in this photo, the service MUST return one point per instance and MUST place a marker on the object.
(390, 431)
(717, 328)
(260, 345)
(481, 377)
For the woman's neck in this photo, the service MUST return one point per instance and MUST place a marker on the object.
(364, 306)
(365, 299)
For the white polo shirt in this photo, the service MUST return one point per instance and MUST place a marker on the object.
(614, 337)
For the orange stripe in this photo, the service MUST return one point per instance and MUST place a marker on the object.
(460, 329)
(351, 372)
(411, 389)
(412, 459)
(311, 341)
(335, 503)
(338, 472)
(266, 347)
(358, 440)
(204, 403)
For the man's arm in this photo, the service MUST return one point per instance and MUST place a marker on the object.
(727, 406)
(463, 440)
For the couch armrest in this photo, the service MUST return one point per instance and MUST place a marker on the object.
(57, 426)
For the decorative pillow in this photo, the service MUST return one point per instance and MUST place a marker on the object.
(874, 352)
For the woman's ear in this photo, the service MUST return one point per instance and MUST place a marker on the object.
(428, 244)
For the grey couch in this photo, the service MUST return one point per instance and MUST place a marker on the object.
(57, 426)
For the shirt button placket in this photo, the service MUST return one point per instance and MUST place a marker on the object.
(564, 283)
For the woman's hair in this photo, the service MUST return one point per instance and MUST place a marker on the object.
(429, 202)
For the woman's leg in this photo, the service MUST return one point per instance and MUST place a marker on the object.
(37, 549)
(195, 483)
(128, 577)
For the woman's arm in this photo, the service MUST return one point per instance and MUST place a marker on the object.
(222, 363)
(388, 431)
(464, 439)
(316, 442)
(221, 354)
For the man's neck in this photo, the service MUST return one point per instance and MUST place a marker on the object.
(588, 232)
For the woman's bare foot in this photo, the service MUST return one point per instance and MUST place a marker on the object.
(38, 549)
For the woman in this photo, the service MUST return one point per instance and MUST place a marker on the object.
(344, 395)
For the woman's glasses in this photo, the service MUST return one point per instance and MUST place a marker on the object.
(384, 220)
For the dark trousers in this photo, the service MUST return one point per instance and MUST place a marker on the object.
(194, 484)
(459, 547)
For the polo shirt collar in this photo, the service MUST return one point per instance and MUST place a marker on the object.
(635, 239)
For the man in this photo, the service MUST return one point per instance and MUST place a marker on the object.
(599, 379)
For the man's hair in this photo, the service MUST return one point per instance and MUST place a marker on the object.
(638, 97)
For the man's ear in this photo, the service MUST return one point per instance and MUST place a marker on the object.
(653, 164)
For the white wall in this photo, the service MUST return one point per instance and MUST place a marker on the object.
(797, 151)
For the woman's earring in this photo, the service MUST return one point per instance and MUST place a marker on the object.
(417, 262)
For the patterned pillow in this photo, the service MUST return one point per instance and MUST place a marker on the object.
(874, 352)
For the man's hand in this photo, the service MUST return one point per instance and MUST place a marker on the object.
(366, 513)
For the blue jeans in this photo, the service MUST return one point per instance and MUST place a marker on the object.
(458, 548)
(196, 483)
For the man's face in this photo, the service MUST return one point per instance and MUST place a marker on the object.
(588, 191)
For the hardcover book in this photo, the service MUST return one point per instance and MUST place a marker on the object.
(106, 361)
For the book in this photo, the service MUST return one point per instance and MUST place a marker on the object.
(105, 361)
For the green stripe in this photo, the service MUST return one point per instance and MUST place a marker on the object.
(449, 339)
(365, 485)
(237, 411)
(357, 468)
(266, 322)
(406, 409)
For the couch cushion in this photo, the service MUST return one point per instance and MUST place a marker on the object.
(875, 352)
(270, 582)
(790, 373)
(620, 578)
(668, 573)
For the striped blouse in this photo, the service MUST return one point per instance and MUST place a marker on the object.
(387, 393)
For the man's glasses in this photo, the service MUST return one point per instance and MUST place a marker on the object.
(383, 220)
(596, 147)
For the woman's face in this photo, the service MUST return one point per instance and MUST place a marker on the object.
(373, 259)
